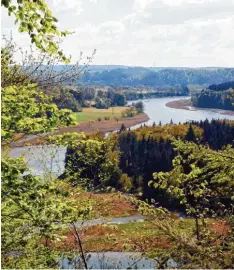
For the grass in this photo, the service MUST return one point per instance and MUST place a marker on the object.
(106, 205)
(135, 236)
(92, 114)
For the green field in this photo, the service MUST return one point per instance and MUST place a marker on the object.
(92, 114)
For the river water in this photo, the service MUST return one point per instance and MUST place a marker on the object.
(111, 260)
(50, 159)
(158, 111)
(114, 260)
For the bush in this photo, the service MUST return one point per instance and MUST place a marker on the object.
(126, 182)
(130, 112)
(139, 106)
(102, 103)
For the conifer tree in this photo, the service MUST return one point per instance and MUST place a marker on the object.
(122, 128)
(190, 136)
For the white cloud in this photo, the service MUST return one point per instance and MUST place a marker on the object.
(147, 32)
(74, 5)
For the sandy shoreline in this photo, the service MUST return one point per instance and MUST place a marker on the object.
(179, 104)
(88, 128)
(185, 104)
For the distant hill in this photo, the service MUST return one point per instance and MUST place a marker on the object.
(140, 76)
(120, 75)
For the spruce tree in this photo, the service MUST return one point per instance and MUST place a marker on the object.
(122, 128)
(190, 135)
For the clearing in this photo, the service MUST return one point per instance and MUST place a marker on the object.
(92, 114)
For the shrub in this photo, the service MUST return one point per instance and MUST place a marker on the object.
(130, 112)
(139, 106)
(126, 182)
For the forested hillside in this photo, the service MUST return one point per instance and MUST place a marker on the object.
(185, 167)
(143, 76)
(220, 96)
(142, 152)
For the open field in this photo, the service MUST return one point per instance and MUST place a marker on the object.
(89, 127)
(92, 114)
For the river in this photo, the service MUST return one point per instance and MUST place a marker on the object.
(158, 111)
(50, 159)
(113, 260)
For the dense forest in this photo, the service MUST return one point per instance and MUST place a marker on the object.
(147, 150)
(166, 92)
(75, 98)
(219, 96)
(170, 77)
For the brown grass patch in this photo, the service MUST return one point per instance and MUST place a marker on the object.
(220, 227)
(112, 205)
(110, 238)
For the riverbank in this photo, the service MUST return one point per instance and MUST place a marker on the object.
(104, 126)
(186, 104)
(180, 104)
(88, 127)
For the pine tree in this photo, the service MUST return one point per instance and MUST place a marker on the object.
(190, 136)
(122, 128)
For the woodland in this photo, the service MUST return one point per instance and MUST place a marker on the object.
(154, 171)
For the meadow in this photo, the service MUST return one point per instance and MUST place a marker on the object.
(93, 114)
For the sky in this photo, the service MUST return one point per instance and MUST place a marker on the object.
(151, 33)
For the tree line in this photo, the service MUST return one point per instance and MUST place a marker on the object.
(219, 96)
(164, 77)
